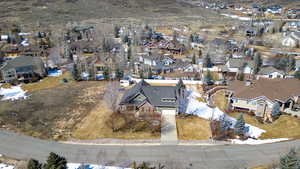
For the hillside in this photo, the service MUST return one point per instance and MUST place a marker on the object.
(60, 11)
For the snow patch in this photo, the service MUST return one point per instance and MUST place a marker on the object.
(6, 166)
(237, 17)
(91, 166)
(13, 93)
(251, 141)
(202, 110)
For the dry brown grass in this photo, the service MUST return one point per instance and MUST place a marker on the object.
(284, 127)
(46, 83)
(220, 100)
(193, 128)
(94, 126)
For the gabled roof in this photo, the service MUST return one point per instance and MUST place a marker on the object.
(154, 94)
(274, 89)
(22, 61)
(237, 63)
(269, 70)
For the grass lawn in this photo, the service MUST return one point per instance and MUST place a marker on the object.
(220, 100)
(193, 128)
(284, 127)
(94, 126)
(46, 83)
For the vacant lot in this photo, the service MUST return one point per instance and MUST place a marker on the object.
(193, 128)
(51, 113)
(284, 127)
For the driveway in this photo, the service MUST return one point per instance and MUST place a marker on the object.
(176, 156)
(169, 129)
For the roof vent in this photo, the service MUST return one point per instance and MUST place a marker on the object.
(248, 83)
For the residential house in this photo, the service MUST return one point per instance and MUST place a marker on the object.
(291, 40)
(270, 72)
(23, 69)
(260, 96)
(144, 99)
(244, 66)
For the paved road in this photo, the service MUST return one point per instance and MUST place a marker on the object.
(177, 157)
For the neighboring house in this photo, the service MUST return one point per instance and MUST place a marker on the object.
(260, 96)
(235, 65)
(146, 99)
(23, 69)
(292, 40)
(270, 72)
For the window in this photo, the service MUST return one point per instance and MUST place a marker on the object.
(270, 76)
(168, 100)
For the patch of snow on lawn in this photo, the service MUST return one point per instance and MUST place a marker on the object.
(13, 93)
(55, 73)
(91, 166)
(237, 17)
(251, 141)
(202, 110)
(6, 166)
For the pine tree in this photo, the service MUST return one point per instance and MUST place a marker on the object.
(150, 73)
(291, 63)
(207, 62)
(208, 77)
(194, 59)
(239, 127)
(200, 53)
(116, 31)
(119, 73)
(290, 160)
(55, 161)
(129, 53)
(257, 62)
(34, 164)
(75, 72)
(106, 73)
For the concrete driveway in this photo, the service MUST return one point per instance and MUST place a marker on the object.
(169, 129)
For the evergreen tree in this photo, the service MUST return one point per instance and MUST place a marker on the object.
(75, 72)
(129, 53)
(239, 127)
(117, 31)
(106, 73)
(207, 62)
(208, 77)
(290, 160)
(200, 53)
(291, 63)
(194, 59)
(150, 73)
(257, 62)
(55, 161)
(297, 74)
(119, 73)
(281, 63)
(34, 164)
(276, 109)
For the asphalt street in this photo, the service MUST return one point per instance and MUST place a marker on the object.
(175, 156)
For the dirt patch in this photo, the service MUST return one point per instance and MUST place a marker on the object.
(193, 128)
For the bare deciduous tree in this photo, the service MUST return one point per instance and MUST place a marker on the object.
(111, 95)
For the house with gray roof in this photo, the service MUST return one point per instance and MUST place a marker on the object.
(23, 69)
(270, 72)
(146, 99)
